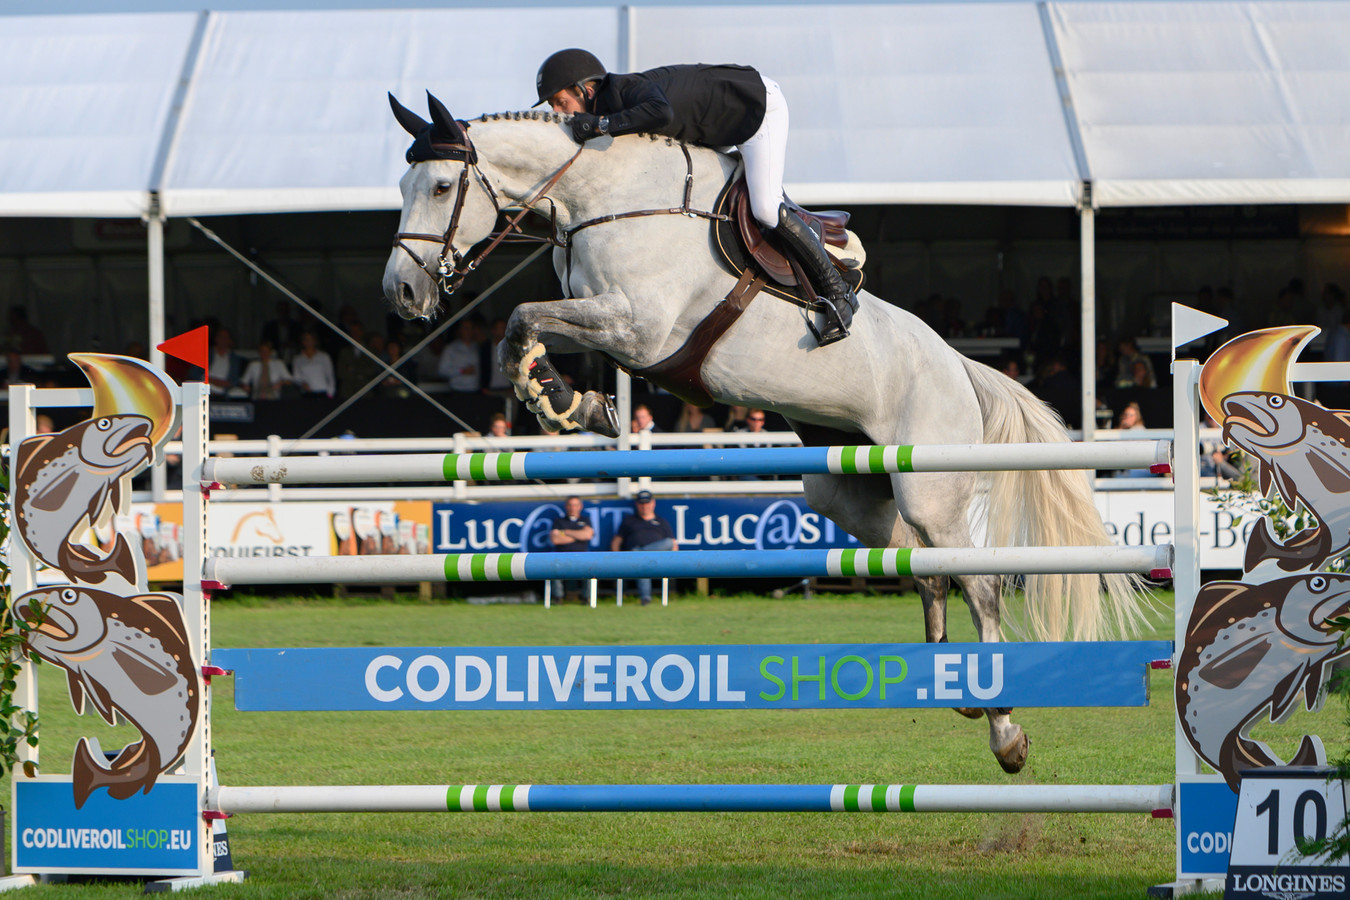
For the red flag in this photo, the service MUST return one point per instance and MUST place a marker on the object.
(193, 347)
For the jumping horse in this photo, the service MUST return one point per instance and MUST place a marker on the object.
(640, 274)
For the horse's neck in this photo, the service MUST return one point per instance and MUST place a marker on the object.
(628, 174)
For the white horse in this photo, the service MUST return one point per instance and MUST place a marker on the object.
(638, 286)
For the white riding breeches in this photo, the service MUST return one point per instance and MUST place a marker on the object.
(765, 154)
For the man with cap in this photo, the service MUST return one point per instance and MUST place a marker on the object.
(713, 106)
(570, 534)
(644, 530)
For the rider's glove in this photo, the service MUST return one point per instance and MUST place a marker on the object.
(585, 126)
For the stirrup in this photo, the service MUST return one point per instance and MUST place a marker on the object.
(835, 330)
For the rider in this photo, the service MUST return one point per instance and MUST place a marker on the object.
(711, 105)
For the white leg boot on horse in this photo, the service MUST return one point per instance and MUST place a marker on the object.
(522, 355)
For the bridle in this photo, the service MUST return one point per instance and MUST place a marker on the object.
(452, 267)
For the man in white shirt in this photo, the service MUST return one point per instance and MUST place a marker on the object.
(264, 377)
(459, 360)
(313, 368)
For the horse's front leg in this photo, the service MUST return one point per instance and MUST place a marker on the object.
(599, 322)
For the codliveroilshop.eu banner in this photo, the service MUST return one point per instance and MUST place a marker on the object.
(146, 834)
(734, 676)
(699, 523)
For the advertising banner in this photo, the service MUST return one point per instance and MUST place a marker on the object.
(154, 833)
(772, 676)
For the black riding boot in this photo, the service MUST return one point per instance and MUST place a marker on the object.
(836, 301)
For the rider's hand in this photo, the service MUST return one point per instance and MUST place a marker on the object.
(584, 127)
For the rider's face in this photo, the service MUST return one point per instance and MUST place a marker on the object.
(566, 101)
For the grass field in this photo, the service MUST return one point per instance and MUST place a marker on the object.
(667, 854)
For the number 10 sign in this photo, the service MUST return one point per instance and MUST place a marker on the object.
(1278, 807)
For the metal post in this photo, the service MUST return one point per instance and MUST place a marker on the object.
(1087, 240)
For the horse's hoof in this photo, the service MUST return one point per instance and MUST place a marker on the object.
(596, 413)
(969, 713)
(1012, 756)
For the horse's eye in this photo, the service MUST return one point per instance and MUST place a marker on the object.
(442, 188)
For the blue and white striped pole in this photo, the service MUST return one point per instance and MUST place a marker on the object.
(454, 567)
(599, 465)
(696, 798)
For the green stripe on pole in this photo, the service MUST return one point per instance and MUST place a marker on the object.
(878, 798)
(476, 465)
(876, 461)
(449, 468)
(508, 803)
(904, 458)
(846, 458)
(452, 798)
(480, 792)
(478, 567)
(846, 562)
(876, 562)
(504, 466)
(451, 567)
(504, 567)
(851, 797)
(902, 558)
(907, 798)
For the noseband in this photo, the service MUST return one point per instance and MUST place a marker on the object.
(452, 267)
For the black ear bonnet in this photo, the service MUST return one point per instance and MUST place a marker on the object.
(442, 138)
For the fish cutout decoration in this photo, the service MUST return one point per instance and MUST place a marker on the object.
(1253, 649)
(130, 659)
(77, 479)
(1304, 450)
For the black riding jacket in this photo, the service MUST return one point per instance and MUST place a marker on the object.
(716, 106)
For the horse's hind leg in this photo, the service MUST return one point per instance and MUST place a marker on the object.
(596, 323)
(936, 505)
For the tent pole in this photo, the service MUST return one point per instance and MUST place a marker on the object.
(1088, 336)
(155, 265)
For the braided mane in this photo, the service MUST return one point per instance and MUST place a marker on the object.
(546, 115)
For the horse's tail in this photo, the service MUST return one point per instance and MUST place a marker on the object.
(1050, 508)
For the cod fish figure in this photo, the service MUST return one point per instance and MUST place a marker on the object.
(1302, 448)
(1252, 649)
(81, 473)
(130, 658)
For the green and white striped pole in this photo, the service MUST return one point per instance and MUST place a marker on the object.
(859, 460)
(1155, 561)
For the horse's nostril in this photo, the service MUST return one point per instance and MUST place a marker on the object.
(406, 291)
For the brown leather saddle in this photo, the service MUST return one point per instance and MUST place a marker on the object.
(828, 225)
(759, 266)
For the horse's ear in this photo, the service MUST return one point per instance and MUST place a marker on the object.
(411, 121)
(446, 128)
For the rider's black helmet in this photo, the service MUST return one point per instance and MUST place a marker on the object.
(565, 69)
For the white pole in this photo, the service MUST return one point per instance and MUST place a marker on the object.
(1087, 240)
(595, 593)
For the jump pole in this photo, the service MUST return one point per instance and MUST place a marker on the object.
(600, 465)
(696, 798)
(1156, 561)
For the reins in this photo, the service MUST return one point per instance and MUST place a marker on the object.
(451, 266)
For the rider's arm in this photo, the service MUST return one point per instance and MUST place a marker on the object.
(641, 106)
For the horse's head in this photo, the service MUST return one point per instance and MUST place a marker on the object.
(447, 208)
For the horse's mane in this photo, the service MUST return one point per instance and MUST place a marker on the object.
(555, 118)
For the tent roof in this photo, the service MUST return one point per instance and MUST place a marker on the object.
(270, 111)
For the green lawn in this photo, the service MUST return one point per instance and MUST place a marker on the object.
(668, 854)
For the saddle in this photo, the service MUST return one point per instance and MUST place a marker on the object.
(828, 225)
(759, 266)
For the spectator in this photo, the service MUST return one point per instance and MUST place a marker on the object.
(265, 376)
(1131, 418)
(1106, 366)
(735, 418)
(282, 332)
(754, 421)
(1012, 367)
(459, 360)
(392, 386)
(499, 427)
(226, 366)
(642, 419)
(1014, 321)
(355, 369)
(15, 370)
(572, 534)
(1129, 354)
(313, 368)
(1141, 375)
(493, 379)
(1216, 461)
(694, 420)
(644, 530)
(24, 336)
(1058, 387)
(1332, 312)
(1043, 339)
